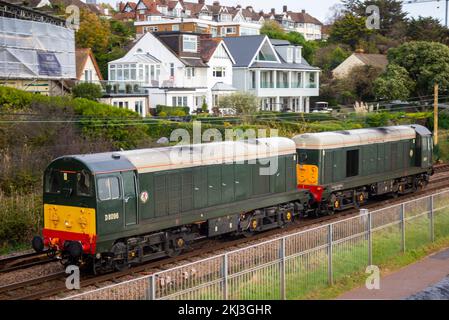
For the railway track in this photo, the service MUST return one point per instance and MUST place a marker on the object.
(24, 261)
(55, 283)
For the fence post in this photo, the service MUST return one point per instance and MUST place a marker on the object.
(366, 213)
(403, 226)
(225, 276)
(282, 257)
(329, 253)
(152, 287)
(432, 221)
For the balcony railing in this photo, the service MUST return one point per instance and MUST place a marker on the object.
(266, 85)
(297, 85)
(118, 87)
(311, 86)
(282, 85)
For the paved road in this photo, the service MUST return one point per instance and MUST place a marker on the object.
(426, 279)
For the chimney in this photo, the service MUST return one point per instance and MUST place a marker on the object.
(121, 6)
(216, 3)
(273, 10)
(303, 11)
(202, 2)
(285, 9)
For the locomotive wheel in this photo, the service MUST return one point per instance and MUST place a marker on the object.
(51, 253)
(174, 252)
(177, 246)
(120, 260)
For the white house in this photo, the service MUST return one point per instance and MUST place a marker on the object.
(274, 71)
(176, 69)
(86, 66)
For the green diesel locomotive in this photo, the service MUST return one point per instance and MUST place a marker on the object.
(115, 209)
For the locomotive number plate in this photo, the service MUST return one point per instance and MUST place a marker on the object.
(111, 216)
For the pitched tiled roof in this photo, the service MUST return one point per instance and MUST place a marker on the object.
(243, 49)
(207, 48)
(125, 15)
(375, 60)
(81, 57)
(132, 5)
(303, 17)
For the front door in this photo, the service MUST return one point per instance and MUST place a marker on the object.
(129, 197)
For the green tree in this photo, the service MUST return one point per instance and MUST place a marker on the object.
(242, 103)
(350, 30)
(93, 33)
(329, 57)
(87, 90)
(359, 84)
(392, 15)
(274, 31)
(427, 29)
(426, 63)
(394, 84)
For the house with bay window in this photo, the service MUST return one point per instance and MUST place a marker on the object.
(176, 69)
(274, 71)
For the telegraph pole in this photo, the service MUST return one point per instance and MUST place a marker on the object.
(447, 2)
(435, 115)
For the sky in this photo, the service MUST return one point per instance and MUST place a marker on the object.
(320, 8)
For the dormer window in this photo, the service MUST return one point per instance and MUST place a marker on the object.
(225, 17)
(190, 43)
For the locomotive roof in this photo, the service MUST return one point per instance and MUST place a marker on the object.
(341, 139)
(177, 157)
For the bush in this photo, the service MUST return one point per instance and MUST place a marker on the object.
(171, 111)
(87, 90)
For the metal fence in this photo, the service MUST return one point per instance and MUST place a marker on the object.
(296, 265)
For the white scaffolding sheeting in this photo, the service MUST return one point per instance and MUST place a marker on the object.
(36, 50)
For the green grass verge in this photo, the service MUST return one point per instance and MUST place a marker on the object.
(306, 275)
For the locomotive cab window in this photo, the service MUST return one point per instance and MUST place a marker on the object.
(108, 188)
(53, 183)
(352, 163)
(83, 184)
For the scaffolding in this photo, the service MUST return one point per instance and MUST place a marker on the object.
(35, 45)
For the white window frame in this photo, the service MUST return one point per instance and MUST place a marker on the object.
(219, 70)
(186, 39)
(190, 72)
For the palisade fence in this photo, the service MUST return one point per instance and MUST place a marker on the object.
(295, 265)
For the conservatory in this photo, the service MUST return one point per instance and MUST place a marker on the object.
(142, 68)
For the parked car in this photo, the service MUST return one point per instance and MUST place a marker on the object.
(321, 107)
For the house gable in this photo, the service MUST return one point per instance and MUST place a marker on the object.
(267, 51)
(222, 52)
